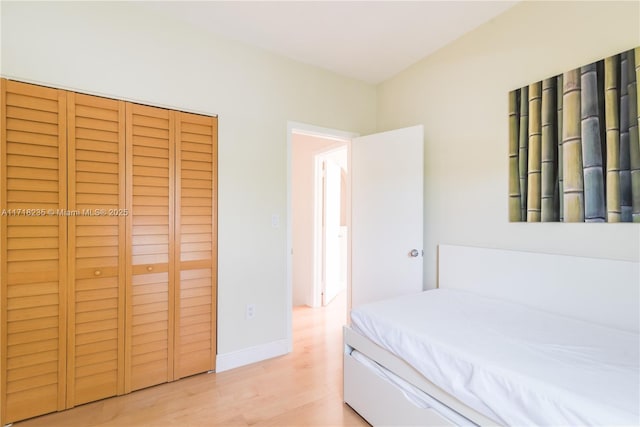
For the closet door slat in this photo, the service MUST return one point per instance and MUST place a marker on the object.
(32, 250)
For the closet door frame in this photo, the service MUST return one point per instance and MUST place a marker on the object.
(66, 235)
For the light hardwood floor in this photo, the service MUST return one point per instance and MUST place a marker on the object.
(303, 388)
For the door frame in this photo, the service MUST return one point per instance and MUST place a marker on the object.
(328, 133)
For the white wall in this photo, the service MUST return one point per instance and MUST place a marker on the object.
(116, 49)
(460, 95)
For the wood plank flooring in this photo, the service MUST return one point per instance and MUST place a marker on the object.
(303, 388)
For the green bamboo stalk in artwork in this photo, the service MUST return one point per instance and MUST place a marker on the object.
(535, 154)
(637, 56)
(515, 212)
(560, 189)
(548, 150)
(523, 146)
(634, 144)
(613, 137)
(572, 148)
(625, 154)
(603, 127)
(594, 201)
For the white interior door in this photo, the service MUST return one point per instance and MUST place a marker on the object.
(332, 255)
(387, 203)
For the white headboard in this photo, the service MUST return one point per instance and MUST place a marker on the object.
(598, 290)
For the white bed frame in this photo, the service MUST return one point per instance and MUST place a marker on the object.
(601, 291)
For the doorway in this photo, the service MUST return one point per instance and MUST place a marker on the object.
(331, 231)
(319, 218)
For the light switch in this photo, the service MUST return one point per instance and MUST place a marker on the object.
(275, 221)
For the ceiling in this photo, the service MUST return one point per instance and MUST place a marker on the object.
(367, 40)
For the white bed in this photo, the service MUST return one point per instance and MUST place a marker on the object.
(505, 340)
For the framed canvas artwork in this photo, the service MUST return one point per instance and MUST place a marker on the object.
(574, 151)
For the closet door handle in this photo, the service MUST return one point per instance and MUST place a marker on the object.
(97, 273)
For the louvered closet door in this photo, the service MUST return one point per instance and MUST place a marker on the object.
(196, 237)
(33, 252)
(95, 357)
(150, 291)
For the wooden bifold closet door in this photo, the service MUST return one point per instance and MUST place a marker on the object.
(33, 250)
(108, 248)
(195, 237)
(97, 259)
(171, 300)
(150, 290)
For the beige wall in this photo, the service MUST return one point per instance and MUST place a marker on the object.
(460, 95)
(116, 49)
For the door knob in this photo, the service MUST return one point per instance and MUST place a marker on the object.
(414, 253)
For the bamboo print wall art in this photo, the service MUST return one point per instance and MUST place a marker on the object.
(574, 150)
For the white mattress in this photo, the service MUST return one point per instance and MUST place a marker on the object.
(516, 365)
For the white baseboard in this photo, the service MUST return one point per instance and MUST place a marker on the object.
(246, 356)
